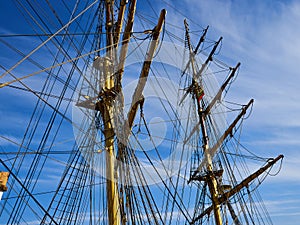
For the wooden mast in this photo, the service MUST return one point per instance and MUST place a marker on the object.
(106, 108)
(211, 181)
(106, 105)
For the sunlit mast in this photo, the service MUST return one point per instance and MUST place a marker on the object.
(219, 194)
(112, 86)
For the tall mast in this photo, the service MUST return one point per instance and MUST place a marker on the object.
(211, 181)
(105, 106)
(219, 195)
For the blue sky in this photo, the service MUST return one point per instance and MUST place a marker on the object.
(263, 36)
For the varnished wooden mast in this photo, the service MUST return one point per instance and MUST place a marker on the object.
(211, 181)
(106, 106)
(111, 187)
